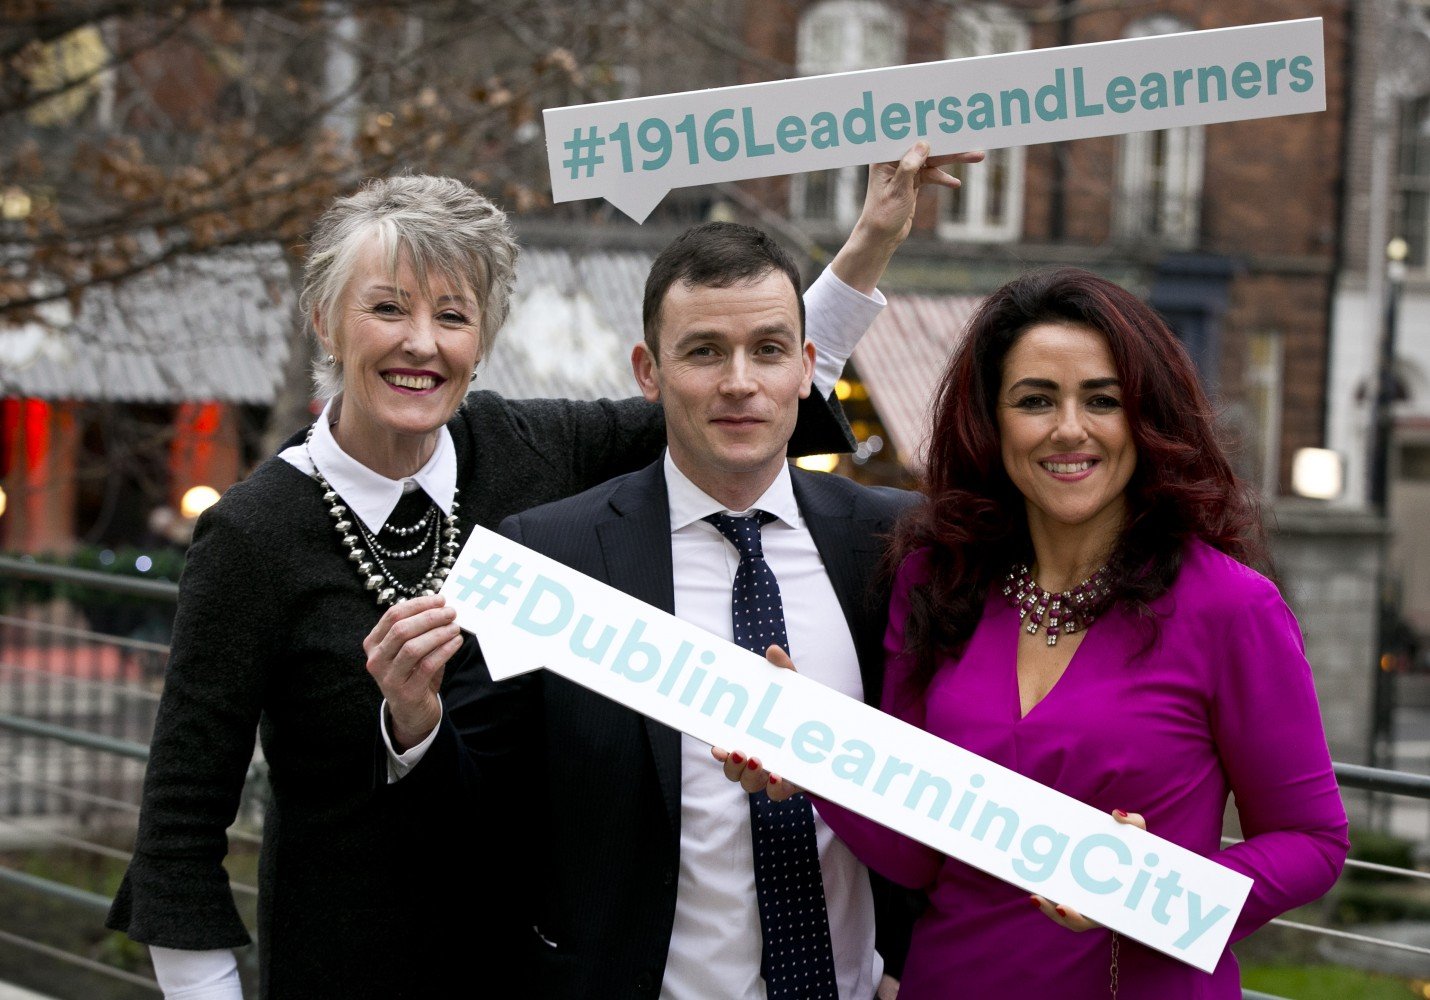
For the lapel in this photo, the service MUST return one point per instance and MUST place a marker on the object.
(634, 536)
(851, 549)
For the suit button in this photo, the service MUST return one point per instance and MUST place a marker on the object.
(645, 983)
(669, 877)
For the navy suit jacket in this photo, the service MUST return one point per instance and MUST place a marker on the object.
(588, 791)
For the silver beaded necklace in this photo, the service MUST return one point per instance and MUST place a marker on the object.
(441, 535)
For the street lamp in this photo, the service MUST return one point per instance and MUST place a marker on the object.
(1385, 391)
(1383, 697)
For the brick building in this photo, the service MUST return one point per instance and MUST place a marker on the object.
(1229, 229)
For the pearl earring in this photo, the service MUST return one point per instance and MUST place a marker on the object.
(330, 360)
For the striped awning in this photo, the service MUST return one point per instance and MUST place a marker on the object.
(901, 359)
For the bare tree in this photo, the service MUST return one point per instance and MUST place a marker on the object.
(131, 132)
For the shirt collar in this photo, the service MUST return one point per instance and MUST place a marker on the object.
(689, 503)
(368, 494)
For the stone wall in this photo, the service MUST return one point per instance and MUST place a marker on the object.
(1327, 561)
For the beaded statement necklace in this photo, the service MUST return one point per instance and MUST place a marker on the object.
(439, 532)
(1065, 612)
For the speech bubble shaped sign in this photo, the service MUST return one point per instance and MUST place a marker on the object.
(632, 152)
(529, 611)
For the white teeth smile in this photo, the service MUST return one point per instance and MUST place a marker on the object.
(410, 381)
(1066, 468)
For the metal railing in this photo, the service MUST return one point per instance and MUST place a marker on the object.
(82, 660)
(81, 667)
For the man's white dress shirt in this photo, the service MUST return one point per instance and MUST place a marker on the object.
(715, 943)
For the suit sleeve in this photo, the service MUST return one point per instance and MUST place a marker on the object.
(895, 910)
(176, 892)
(900, 859)
(1286, 794)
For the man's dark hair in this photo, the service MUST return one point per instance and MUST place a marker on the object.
(714, 255)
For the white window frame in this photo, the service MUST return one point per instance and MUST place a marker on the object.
(1160, 174)
(979, 30)
(1263, 379)
(855, 23)
(1412, 188)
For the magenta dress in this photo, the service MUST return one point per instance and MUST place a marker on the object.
(1223, 704)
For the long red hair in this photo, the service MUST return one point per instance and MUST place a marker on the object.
(973, 520)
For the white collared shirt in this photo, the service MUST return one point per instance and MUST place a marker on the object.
(368, 494)
(715, 943)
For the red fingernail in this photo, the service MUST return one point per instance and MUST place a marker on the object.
(1120, 813)
(774, 779)
(753, 764)
(1061, 911)
(1034, 900)
(737, 757)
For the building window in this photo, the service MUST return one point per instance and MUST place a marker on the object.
(1262, 443)
(1160, 173)
(78, 68)
(989, 205)
(835, 37)
(1414, 180)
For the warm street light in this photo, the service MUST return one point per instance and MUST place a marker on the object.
(15, 204)
(197, 500)
(1316, 473)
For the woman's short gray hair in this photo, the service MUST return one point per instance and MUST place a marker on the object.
(437, 225)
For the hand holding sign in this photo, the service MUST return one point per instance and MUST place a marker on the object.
(1066, 915)
(747, 770)
(407, 652)
(888, 213)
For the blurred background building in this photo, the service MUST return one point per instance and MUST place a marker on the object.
(159, 171)
(160, 164)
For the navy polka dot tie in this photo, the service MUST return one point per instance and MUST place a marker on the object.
(798, 959)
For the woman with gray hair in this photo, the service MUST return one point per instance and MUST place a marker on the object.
(406, 284)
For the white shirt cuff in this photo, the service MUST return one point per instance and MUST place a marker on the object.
(836, 316)
(398, 764)
(196, 975)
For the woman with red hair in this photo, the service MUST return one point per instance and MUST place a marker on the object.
(1074, 601)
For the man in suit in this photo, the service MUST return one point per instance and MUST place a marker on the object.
(638, 856)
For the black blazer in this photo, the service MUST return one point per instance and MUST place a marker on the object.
(589, 789)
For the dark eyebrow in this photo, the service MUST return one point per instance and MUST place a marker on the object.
(1047, 383)
(769, 330)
